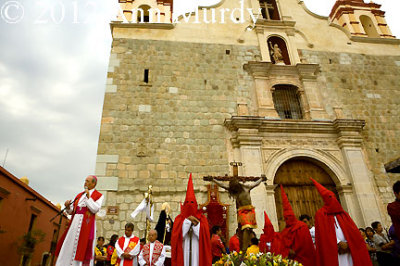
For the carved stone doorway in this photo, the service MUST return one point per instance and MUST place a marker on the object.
(294, 175)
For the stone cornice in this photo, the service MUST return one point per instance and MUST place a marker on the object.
(344, 189)
(389, 40)
(266, 69)
(267, 25)
(120, 24)
(349, 132)
(247, 130)
(349, 125)
(263, 124)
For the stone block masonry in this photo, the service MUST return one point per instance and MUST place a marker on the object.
(366, 87)
(171, 125)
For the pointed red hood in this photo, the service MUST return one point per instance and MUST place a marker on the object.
(288, 214)
(268, 227)
(189, 207)
(332, 205)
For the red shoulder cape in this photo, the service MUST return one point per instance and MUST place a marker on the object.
(298, 238)
(326, 243)
(204, 242)
(121, 243)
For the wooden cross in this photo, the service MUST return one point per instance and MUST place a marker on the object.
(266, 6)
(235, 166)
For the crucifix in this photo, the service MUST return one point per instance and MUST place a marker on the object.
(240, 191)
(267, 9)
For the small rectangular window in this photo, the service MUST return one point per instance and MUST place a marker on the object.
(287, 102)
(228, 52)
(146, 76)
(32, 222)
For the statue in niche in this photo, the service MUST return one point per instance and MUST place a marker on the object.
(276, 54)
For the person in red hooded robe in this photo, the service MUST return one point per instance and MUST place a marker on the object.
(190, 240)
(337, 238)
(270, 241)
(296, 236)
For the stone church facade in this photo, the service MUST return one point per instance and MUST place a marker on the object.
(291, 95)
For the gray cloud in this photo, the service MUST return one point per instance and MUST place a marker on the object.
(51, 93)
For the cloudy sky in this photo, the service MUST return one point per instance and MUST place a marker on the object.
(53, 65)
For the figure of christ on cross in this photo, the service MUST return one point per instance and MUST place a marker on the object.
(241, 193)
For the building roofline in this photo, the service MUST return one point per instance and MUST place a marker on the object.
(27, 188)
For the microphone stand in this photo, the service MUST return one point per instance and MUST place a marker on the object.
(60, 213)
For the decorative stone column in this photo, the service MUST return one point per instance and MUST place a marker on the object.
(262, 40)
(349, 203)
(311, 95)
(349, 140)
(304, 104)
(271, 206)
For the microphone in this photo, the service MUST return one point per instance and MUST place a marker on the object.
(86, 191)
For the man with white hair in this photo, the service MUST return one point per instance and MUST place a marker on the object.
(153, 253)
(76, 246)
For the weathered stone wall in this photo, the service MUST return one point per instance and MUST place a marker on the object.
(162, 130)
(365, 87)
(157, 132)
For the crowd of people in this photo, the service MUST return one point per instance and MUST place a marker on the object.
(383, 246)
(129, 250)
(333, 239)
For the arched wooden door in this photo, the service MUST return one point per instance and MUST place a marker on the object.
(294, 176)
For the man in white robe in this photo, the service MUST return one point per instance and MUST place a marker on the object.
(195, 224)
(128, 247)
(191, 227)
(344, 256)
(153, 253)
(77, 244)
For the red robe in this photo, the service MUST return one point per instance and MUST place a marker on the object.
(394, 212)
(234, 244)
(270, 236)
(177, 257)
(276, 246)
(121, 242)
(84, 250)
(326, 243)
(297, 237)
(325, 234)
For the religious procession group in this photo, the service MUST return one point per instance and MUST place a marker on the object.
(334, 241)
